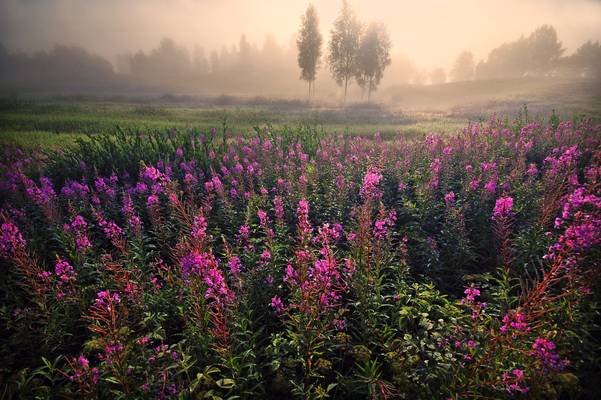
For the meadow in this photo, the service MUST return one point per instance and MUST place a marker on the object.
(166, 249)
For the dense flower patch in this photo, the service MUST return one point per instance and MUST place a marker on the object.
(186, 266)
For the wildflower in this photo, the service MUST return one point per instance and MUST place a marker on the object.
(291, 276)
(152, 200)
(503, 207)
(105, 300)
(470, 294)
(199, 228)
(449, 199)
(339, 324)
(513, 383)
(111, 230)
(265, 256)
(532, 171)
(151, 174)
(371, 180)
(83, 361)
(544, 351)
(235, 265)
(11, 240)
(64, 272)
(278, 205)
(491, 187)
(277, 305)
(514, 321)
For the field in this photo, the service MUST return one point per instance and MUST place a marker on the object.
(179, 247)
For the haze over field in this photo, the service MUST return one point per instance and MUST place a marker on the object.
(249, 47)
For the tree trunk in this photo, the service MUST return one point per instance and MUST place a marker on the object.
(369, 90)
(345, 87)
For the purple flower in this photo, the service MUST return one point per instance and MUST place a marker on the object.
(235, 265)
(277, 305)
(371, 180)
(491, 187)
(11, 240)
(199, 228)
(544, 351)
(153, 200)
(503, 207)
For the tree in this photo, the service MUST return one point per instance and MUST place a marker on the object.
(463, 70)
(373, 57)
(344, 46)
(438, 76)
(200, 64)
(309, 46)
(544, 50)
(587, 60)
(538, 54)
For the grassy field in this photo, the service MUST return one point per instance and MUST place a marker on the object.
(56, 121)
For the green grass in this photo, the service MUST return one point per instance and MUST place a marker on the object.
(56, 124)
(38, 139)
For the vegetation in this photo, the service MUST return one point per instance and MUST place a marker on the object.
(344, 46)
(295, 263)
(309, 47)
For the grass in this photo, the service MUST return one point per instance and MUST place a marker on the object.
(412, 111)
(58, 123)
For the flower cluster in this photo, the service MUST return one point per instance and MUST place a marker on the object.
(11, 240)
(371, 180)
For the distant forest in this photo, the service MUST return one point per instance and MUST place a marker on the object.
(268, 69)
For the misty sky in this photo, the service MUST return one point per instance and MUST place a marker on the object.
(431, 32)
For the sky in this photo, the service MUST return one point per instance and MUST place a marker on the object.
(431, 32)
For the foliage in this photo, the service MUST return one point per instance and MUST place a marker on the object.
(189, 264)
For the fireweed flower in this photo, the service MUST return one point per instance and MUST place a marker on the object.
(302, 212)
(78, 228)
(265, 256)
(470, 300)
(199, 228)
(491, 187)
(151, 174)
(278, 206)
(382, 226)
(291, 276)
(217, 288)
(544, 351)
(235, 266)
(449, 199)
(514, 321)
(197, 263)
(11, 240)
(532, 171)
(277, 305)
(152, 200)
(514, 382)
(105, 299)
(111, 230)
(369, 190)
(66, 276)
(503, 207)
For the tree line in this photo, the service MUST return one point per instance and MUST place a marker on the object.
(540, 54)
(354, 53)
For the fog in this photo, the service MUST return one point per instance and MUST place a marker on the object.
(426, 36)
